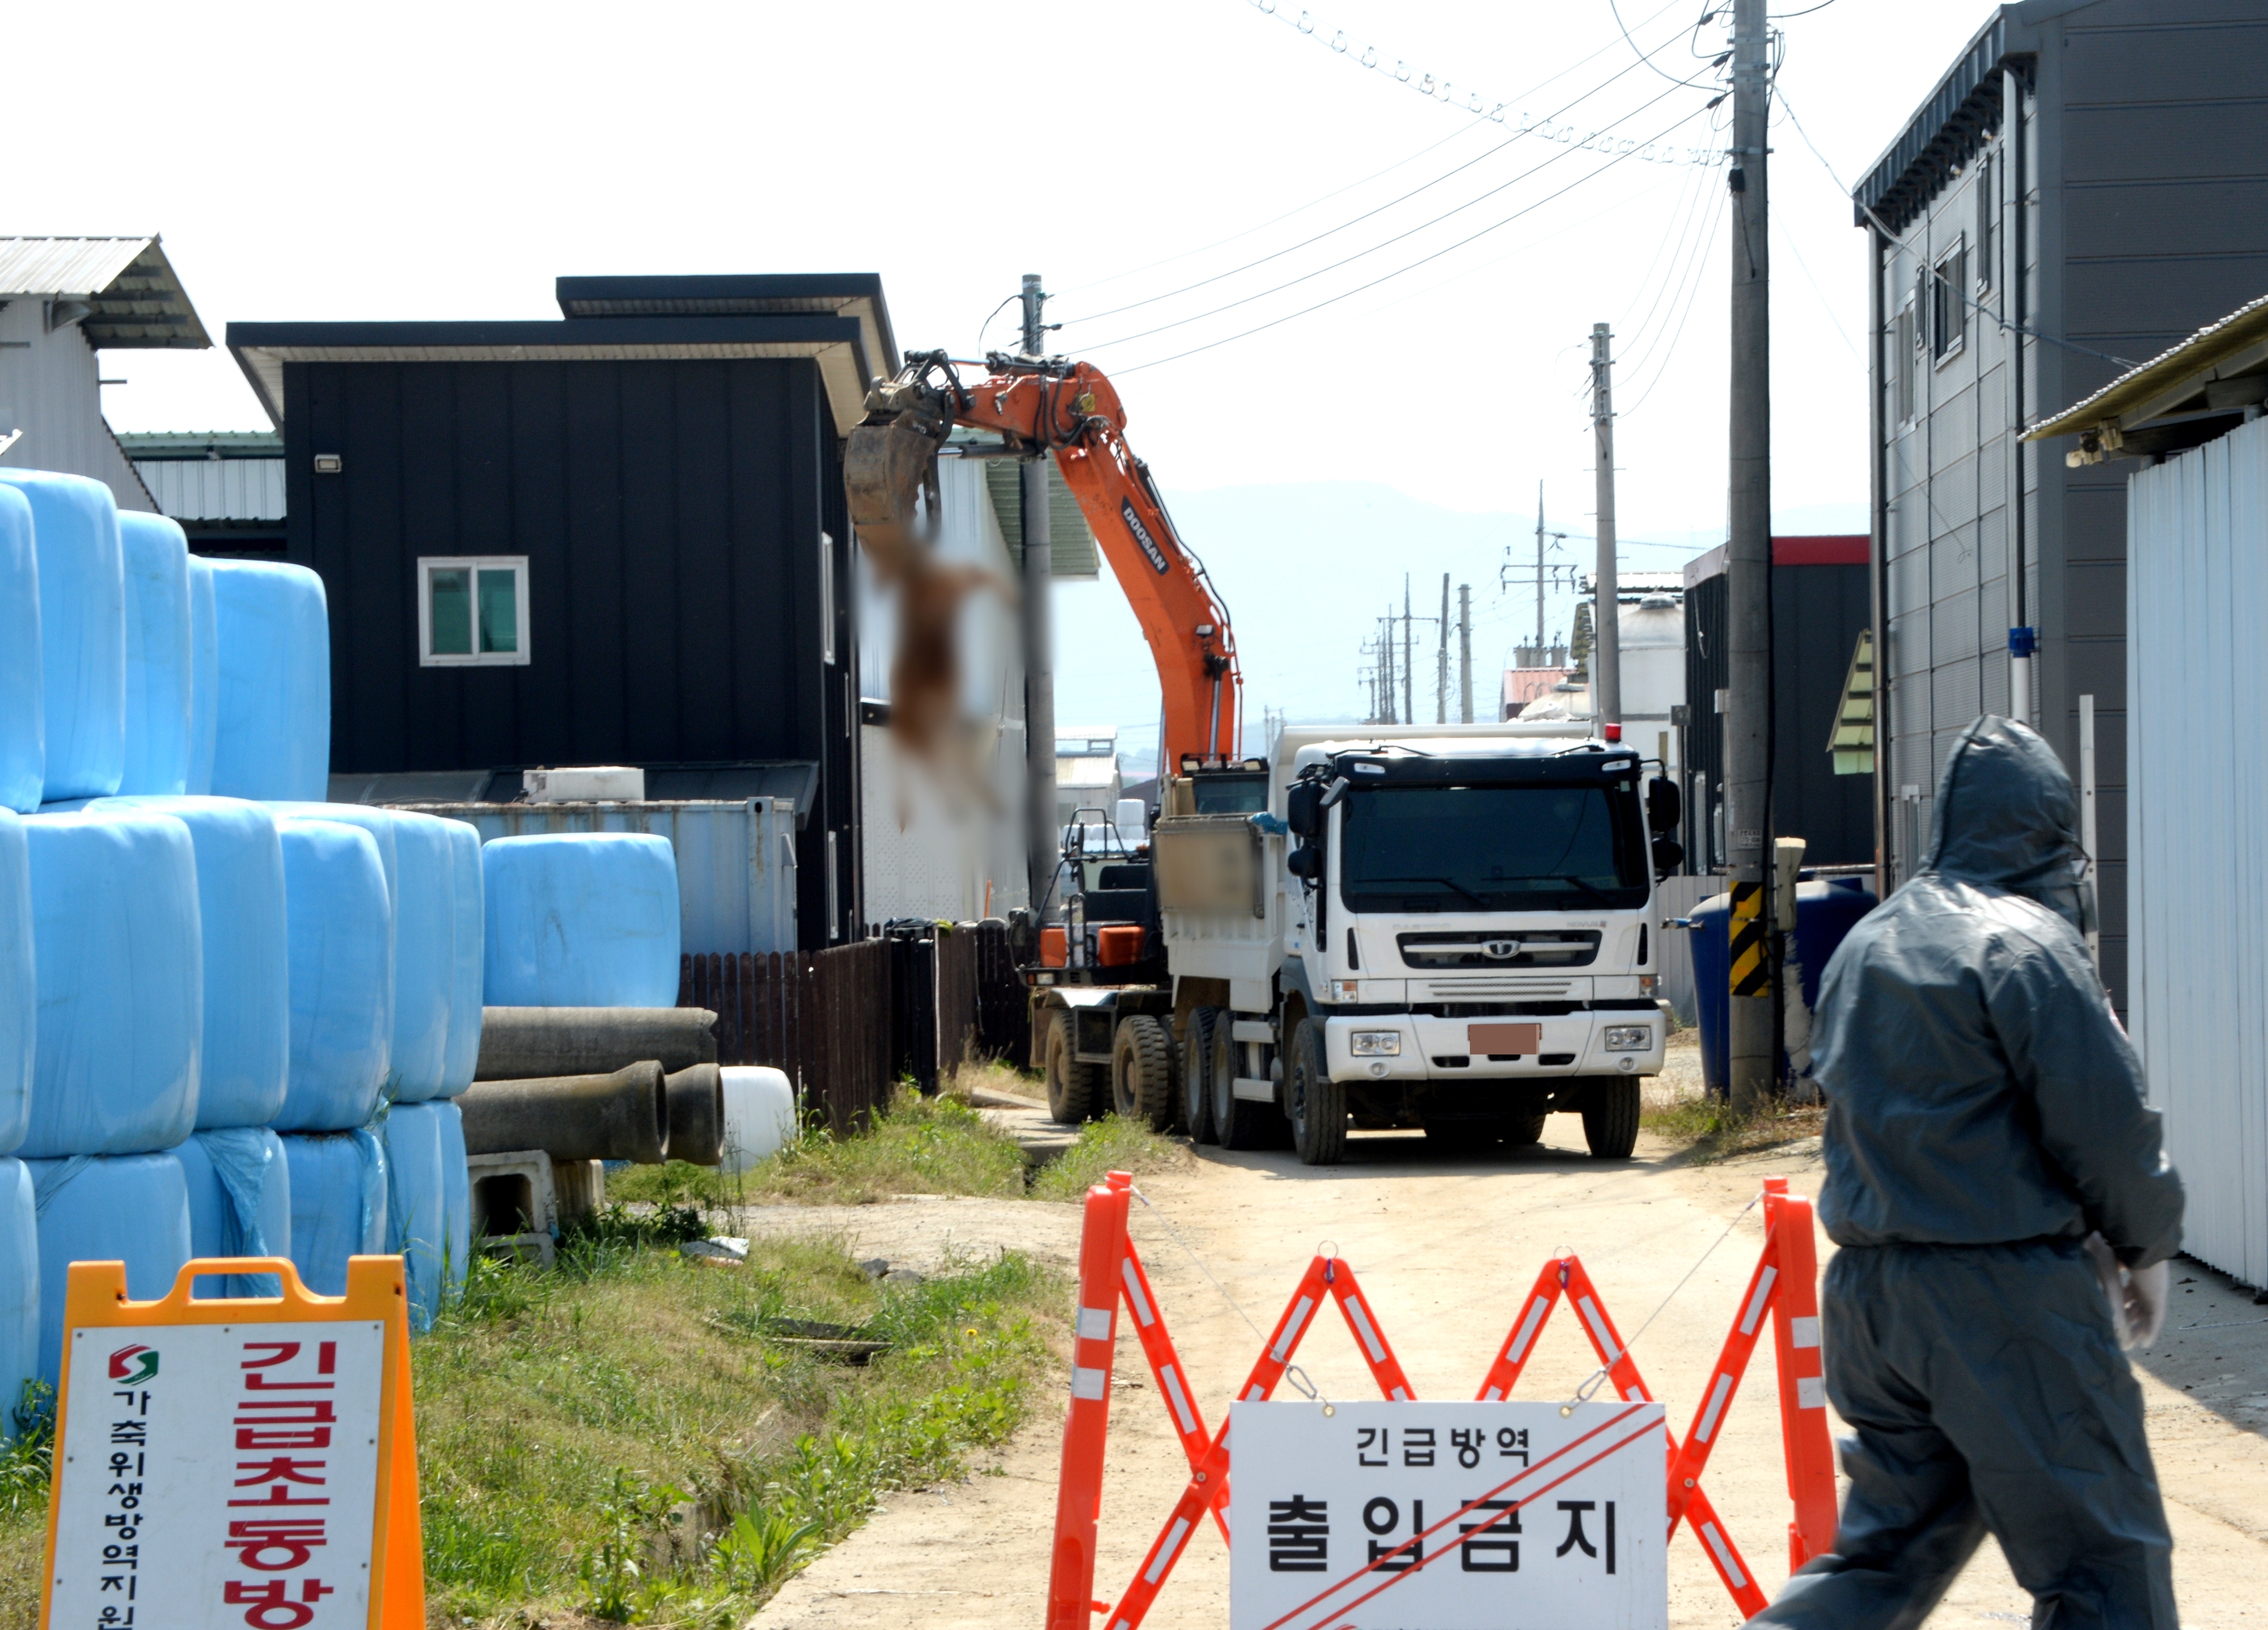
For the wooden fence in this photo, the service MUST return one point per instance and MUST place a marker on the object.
(846, 1024)
(820, 1016)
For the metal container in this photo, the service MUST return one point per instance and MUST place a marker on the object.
(735, 861)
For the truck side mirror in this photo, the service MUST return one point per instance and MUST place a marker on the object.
(1305, 863)
(1663, 805)
(1668, 854)
(1303, 809)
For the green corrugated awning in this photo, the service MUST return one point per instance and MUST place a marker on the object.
(1072, 550)
(1853, 740)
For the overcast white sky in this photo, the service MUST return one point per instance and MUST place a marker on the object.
(448, 161)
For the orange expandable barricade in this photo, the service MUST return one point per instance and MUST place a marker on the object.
(1786, 1283)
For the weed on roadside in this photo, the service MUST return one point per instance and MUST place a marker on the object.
(918, 1145)
(1111, 1143)
(1708, 1129)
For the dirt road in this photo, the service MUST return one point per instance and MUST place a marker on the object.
(1444, 1247)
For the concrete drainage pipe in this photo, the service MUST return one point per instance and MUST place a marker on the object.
(697, 1114)
(529, 1044)
(621, 1117)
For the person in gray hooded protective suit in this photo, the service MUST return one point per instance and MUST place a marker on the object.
(1985, 1117)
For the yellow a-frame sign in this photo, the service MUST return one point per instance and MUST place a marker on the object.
(246, 1462)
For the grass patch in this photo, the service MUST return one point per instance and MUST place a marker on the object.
(919, 1145)
(1105, 1146)
(618, 1439)
(1708, 1129)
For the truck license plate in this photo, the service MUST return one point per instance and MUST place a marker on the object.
(1482, 1039)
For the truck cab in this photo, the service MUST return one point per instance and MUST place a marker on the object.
(1451, 928)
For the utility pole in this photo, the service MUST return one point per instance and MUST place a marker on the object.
(1043, 840)
(1441, 664)
(1385, 664)
(1409, 697)
(1754, 1048)
(1606, 656)
(1465, 651)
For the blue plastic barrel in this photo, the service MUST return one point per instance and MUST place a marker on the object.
(239, 1190)
(22, 686)
(1824, 912)
(129, 1208)
(82, 631)
(160, 654)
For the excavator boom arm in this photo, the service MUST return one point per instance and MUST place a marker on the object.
(1072, 410)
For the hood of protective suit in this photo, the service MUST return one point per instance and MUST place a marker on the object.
(2006, 817)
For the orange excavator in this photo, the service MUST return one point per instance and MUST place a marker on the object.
(1103, 1018)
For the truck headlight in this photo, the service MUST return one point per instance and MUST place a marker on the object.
(1375, 1044)
(1630, 1037)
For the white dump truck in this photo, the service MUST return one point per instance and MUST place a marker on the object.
(1447, 926)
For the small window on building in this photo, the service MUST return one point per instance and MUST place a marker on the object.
(471, 610)
(1948, 304)
(1988, 217)
(1902, 365)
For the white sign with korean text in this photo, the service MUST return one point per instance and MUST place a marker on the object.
(217, 1475)
(1449, 1517)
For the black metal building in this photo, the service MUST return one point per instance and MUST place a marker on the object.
(1822, 602)
(2083, 185)
(617, 538)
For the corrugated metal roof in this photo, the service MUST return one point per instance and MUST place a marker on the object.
(215, 489)
(845, 294)
(1958, 115)
(2237, 343)
(1071, 541)
(134, 300)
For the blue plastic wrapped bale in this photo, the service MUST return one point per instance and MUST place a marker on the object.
(456, 1189)
(581, 920)
(420, 883)
(272, 725)
(118, 951)
(464, 1051)
(129, 1208)
(160, 655)
(239, 1189)
(204, 675)
(19, 989)
(244, 1063)
(19, 1298)
(338, 928)
(338, 1204)
(23, 689)
(82, 631)
(417, 1203)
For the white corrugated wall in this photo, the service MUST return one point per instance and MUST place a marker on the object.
(2197, 588)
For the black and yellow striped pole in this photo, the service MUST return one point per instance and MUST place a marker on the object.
(1751, 948)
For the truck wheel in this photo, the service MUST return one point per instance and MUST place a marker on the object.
(1317, 1104)
(1197, 1076)
(1074, 1089)
(1141, 1072)
(1610, 1111)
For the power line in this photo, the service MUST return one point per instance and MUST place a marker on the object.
(1329, 232)
(1618, 11)
(1398, 272)
(1424, 85)
(1410, 232)
(1700, 265)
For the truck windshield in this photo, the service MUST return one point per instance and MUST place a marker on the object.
(1537, 848)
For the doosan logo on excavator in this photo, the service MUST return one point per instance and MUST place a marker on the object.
(1142, 536)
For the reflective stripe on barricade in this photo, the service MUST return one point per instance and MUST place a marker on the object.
(1786, 1283)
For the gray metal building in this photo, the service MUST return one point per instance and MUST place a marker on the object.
(2087, 171)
